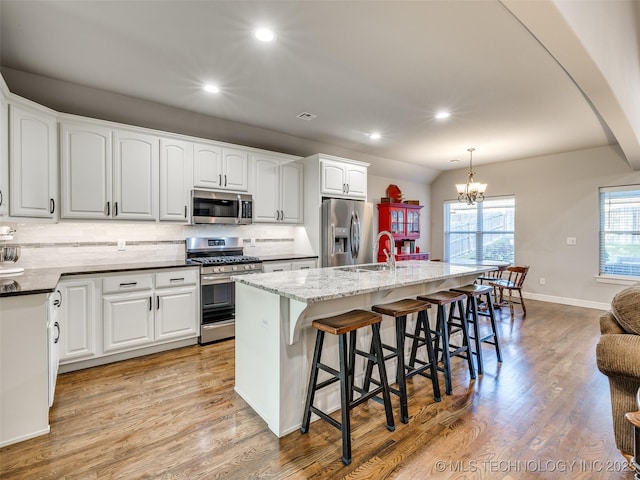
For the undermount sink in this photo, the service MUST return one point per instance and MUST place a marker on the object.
(375, 267)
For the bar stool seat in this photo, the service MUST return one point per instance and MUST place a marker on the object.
(443, 330)
(399, 310)
(341, 325)
(473, 293)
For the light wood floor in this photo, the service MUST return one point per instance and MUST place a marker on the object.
(543, 413)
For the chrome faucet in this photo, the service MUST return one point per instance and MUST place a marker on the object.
(391, 258)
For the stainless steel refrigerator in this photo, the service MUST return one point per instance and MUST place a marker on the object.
(346, 232)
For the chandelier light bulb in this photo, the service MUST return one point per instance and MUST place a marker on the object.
(472, 191)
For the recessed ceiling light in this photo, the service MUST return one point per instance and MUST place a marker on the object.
(211, 88)
(374, 136)
(264, 35)
(442, 115)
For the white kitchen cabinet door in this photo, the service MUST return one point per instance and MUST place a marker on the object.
(127, 321)
(135, 176)
(207, 166)
(235, 170)
(77, 320)
(33, 162)
(268, 267)
(175, 160)
(86, 167)
(266, 191)
(332, 179)
(291, 201)
(303, 264)
(356, 181)
(4, 156)
(177, 313)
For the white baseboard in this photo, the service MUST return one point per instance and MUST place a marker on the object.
(567, 301)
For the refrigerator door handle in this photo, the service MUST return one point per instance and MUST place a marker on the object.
(352, 236)
(332, 239)
(356, 244)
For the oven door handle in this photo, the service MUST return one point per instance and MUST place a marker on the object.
(205, 280)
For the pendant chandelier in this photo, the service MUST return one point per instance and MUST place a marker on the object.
(472, 191)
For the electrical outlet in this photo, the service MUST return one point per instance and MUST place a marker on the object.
(571, 241)
(252, 242)
(543, 281)
(122, 245)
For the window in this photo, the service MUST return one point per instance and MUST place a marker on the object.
(483, 231)
(620, 231)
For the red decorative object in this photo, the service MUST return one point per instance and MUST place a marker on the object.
(403, 221)
(394, 194)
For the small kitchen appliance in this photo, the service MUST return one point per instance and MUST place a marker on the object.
(9, 254)
(219, 258)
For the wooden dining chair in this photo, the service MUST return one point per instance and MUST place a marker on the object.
(511, 280)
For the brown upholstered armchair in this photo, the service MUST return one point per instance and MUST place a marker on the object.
(618, 357)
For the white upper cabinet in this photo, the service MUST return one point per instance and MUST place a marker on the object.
(277, 191)
(135, 176)
(220, 168)
(85, 168)
(343, 179)
(176, 158)
(4, 156)
(108, 173)
(32, 162)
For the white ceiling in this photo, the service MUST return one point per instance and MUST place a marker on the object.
(360, 66)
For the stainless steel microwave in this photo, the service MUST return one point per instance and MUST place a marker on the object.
(221, 207)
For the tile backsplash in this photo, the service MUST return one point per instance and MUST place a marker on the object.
(45, 245)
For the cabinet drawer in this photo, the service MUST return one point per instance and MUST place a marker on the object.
(127, 283)
(176, 278)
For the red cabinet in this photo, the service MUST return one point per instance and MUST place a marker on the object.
(403, 221)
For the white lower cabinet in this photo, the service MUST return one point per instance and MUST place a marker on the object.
(106, 316)
(77, 319)
(288, 265)
(127, 320)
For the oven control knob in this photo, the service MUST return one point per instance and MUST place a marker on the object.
(247, 267)
(218, 269)
(234, 268)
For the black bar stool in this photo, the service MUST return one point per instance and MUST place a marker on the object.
(399, 310)
(444, 328)
(473, 293)
(340, 325)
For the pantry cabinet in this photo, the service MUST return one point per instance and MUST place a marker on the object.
(220, 168)
(277, 190)
(33, 162)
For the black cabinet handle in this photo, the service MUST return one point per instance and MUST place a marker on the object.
(220, 179)
(58, 301)
(108, 209)
(1, 197)
(225, 180)
(52, 205)
(158, 303)
(185, 211)
(128, 284)
(57, 339)
(115, 209)
(150, 303)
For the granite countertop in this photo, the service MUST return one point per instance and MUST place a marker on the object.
(44, 280)
(318, 284)
(286, 256)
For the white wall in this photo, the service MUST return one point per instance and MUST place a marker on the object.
(556, 197)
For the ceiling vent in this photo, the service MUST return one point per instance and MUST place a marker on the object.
(306, 116)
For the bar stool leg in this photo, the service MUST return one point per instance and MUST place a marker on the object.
(401, 323)
(472, 316)
(345, 395)
(422, 323)
(443, 332)
(465, 336)
(382, 372)
(494, 327)
(313, 378)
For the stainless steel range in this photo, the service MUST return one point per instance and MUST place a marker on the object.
(219, 257)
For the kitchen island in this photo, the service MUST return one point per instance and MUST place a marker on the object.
(275, 340)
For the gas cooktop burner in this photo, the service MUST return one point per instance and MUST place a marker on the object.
(224, 260)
